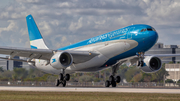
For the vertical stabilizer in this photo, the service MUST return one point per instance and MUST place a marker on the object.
(36, 40)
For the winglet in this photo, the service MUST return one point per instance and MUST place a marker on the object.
(36, 40)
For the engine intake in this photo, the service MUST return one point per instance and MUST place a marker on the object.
(61, 60)
(151, 64)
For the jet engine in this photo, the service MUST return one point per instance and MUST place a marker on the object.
(61, 60)
(151, 64)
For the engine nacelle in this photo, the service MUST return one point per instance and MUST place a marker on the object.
(61, 60)
(151, 64)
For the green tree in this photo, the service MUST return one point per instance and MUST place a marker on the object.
(86, 78)
(147, 77)
(169, 81)
(171, 62)
(154, 77)
(137, 77)
(159, 75)
(122, 71)
(20, 73)
(131, 73)
(1, 69)
(178, 81)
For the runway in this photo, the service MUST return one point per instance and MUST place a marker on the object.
(80, 89)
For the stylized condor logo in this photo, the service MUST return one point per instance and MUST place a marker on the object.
(53, 60)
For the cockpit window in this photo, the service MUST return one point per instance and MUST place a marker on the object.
(149, 29)
(153, 29)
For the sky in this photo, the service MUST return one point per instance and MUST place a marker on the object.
(64, 22)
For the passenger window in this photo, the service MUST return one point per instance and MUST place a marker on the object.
(142, 30)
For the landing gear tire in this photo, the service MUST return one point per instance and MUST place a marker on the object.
(142, 63)
(57, 82)
(67, 77)
(118, 79)
(113, 83)
(138, 63)
(64, 83)
(111, 78)
(61, 77)
(107, 83)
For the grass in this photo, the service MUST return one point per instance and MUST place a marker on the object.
(85, 96)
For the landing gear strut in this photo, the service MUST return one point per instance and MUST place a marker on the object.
(141, 57)
(62, 79)
(140, 63)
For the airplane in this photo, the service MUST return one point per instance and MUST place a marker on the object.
(109, 50)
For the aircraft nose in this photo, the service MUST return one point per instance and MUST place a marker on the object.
(153, 36)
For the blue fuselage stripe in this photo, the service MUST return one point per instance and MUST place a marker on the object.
(145, 40)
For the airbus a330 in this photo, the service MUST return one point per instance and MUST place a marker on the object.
(108, 50)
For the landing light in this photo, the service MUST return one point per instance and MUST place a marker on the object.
(89, 53)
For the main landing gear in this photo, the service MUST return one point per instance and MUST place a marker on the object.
(62, 79)
(112, 79)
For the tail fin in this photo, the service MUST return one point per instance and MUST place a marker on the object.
(36, 40)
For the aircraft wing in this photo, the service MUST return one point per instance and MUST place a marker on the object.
(46, 54)
(134, 59)
(163, 55)
(130, 60)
